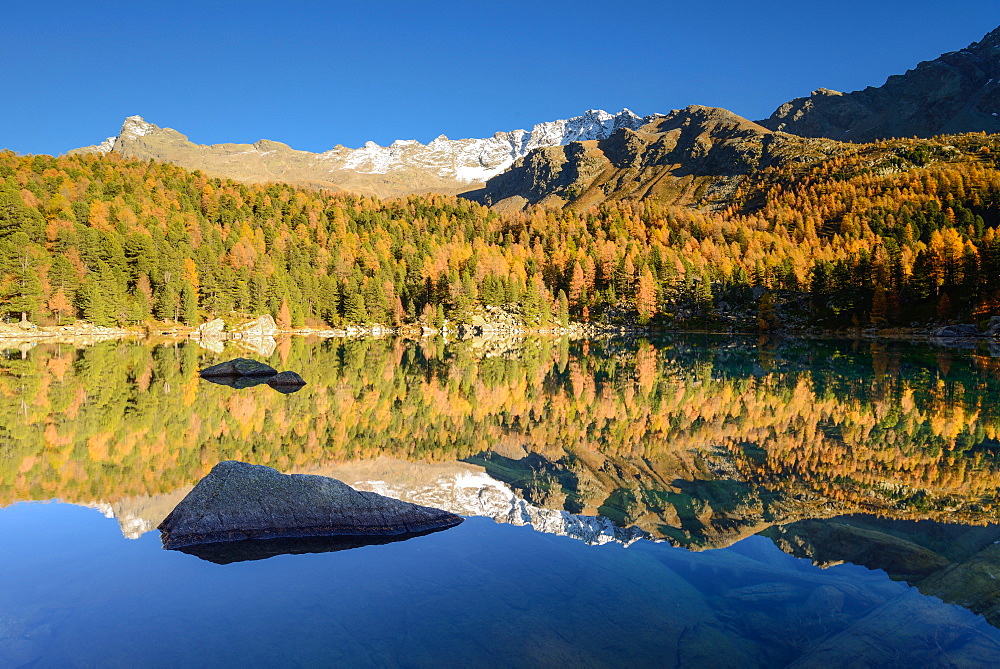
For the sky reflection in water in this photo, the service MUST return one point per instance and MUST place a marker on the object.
(478, 594)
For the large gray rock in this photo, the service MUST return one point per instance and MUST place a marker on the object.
(959, 331)
(237, 501)
(239, 367)
(286, 382)
(213, 328)
(993, 327)
(909, 630)
(264, 326)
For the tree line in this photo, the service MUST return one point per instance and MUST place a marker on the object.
(883, 233)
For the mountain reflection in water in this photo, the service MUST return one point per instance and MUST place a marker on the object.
(883, 455)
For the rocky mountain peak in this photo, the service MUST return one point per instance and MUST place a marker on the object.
(693, 155)
(956, 92)
(708, 117)
(136, 126)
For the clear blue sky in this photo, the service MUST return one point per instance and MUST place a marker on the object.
(315, 74)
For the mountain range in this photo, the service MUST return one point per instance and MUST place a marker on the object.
(406, 166)
(697, 155)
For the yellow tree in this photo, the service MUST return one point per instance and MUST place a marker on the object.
(284, 316)
(645, 296)
(59, 304)
(577, 285)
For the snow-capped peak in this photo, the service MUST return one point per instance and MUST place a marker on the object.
(460, 161)
(471, 160)
(136, 126)
(479, 494)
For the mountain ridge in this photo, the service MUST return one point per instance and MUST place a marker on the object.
(404, 167)
(954, 93)
(696, 155)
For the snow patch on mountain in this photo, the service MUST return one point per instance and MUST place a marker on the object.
(132, 525)
(448, 162)
(107, 145)
(478, 494)
(473, 160)
(136, 126)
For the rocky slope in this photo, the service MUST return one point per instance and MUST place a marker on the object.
(957, 92)
(697, 155)
(405, 166)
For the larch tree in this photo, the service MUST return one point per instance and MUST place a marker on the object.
(645, 296)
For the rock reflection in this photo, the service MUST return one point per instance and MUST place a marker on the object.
(230, 552)
(241, 373)
(237, 382)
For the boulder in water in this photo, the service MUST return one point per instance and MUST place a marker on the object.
(239, 367)
(286, 382)
(238, 501)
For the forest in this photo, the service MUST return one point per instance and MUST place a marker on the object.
(899, 232)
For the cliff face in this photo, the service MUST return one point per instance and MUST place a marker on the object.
(697, 155)
(957, 92)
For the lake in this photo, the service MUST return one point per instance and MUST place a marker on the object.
(689, 501)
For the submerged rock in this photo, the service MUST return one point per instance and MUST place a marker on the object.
(237, 501)
(971, 583)
(239, 367)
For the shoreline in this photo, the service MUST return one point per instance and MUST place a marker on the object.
(86, 334)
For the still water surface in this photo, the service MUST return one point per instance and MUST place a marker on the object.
(697, 501)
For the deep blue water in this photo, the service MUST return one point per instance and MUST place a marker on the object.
(75, 593)
(847, 453)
